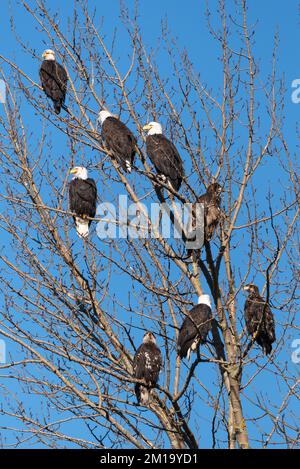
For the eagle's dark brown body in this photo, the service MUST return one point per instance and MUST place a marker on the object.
(166, 159)
(82, 201)
(211, 201)
(54, 81)
(259, 319)
(147, 364)
(194, 330)
(212, 211)
(120, 140)
(83, 197)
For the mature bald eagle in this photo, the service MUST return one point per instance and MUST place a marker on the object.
(54, 79)
(119, 139)
(211, 201)
(195, 327)
(259, 319)
(82, 199)
(164, 155)
(147, 364)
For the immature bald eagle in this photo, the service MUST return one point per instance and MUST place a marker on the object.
(147, 364)
(195, 327)
(212, 212)
(164, 155)
(54, 79)
(82, 199)
(119, 139)
(259, 319)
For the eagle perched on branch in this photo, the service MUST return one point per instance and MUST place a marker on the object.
(212, 211)
(164, 155)
(211, 201)
(54, 80)
(147, 364)
(259, 319)
(82, 199)
(119, 139)
(195, 327)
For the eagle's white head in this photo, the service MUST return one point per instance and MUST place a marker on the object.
(251, 288)
(103, 115)
(204, 300)
(154, 128)
(79, 172)
(48, 54)
(149, 338)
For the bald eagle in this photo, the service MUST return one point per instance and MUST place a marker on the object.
(195, 327)
(259, 319)
(82, 199)
(164, 155)
(211, 201)
(119, 139)
(147, 364)
(54, 79)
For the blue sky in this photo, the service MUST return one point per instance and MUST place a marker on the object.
(187, 23)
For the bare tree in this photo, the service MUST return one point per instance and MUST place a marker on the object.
(76, 310)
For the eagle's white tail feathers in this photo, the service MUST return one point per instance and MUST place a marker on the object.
(82, 227)
(192, 348)
(144, 395)
(128, 166)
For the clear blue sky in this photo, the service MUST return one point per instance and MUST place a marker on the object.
(186, 22)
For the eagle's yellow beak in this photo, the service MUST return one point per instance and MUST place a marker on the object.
(44, 55)
(73, 171)
(147, 127)
(246, 287)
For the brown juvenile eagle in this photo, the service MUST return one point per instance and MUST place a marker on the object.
(212, 213)
(119, 139)
(54, 79)
(259, 319)
(147, 364)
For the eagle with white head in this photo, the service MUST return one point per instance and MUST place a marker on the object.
(119, 139)
(82, 199)
(195, 327)
(54, 80)
(164, 155)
